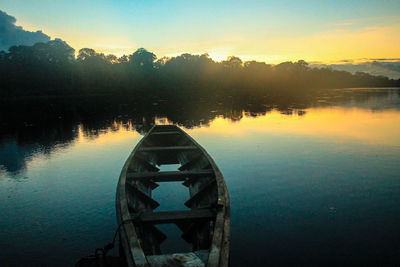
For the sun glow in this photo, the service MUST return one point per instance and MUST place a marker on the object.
(262, 31)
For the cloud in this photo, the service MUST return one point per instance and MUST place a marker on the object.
(10, 34)
(389, 67)
(385, 59)
(346, 61)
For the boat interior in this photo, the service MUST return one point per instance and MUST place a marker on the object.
(165, 145)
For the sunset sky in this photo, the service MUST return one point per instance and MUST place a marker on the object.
(271, 31)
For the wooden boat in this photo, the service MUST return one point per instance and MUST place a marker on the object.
(205, 226)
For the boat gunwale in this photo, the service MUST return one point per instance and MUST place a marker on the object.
(124, 217)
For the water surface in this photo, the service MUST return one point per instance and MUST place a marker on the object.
(317, 184)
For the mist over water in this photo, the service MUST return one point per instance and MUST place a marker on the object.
(312, 181)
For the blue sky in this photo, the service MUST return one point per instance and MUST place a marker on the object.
(262, 30)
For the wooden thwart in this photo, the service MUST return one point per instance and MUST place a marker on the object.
(165, 133)
(166, 148)
(164, 217)
(168, 176)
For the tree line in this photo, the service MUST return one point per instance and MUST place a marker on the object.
(52, 69)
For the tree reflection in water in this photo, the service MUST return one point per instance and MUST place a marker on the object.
(42, 127)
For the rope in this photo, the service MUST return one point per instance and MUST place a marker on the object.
(100, 253)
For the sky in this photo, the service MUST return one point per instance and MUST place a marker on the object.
(272, 31)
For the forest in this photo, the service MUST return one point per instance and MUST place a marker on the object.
(53, 69)
(49, 82)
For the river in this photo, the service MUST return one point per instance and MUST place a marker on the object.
(317, 184)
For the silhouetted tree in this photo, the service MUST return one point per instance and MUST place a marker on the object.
(51, 69)
(142, 59)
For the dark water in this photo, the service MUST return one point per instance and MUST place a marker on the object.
(310, 184)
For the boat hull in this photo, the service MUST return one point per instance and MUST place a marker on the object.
(205, 225)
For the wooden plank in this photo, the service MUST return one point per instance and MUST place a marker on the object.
(168, 176)
(163, 217)
(189, 164)
(146, 186)
(166, 133)
(191, 180)
(152, 239)
(147, 164)
(201, 192)
(138, 193)
(166, 148)
(148, 183)
(215, 252)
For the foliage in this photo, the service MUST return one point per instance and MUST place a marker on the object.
(51, 69)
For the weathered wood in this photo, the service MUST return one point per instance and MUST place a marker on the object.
(168, 176)
(199, 194)
(221, 228)
(150, 184)
(191, 162)
(163, 217)
(166, 148)
(154, 204)
(146, 164)
(151, 238)
(131, 246)
(165, 133)
(192, 179)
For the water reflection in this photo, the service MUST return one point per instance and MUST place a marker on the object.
(311, 183)
(364, 114)
(337, 124)
(17, 149)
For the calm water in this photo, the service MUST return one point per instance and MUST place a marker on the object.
(312, 186)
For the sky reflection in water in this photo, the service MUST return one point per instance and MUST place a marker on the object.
(322, 187)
